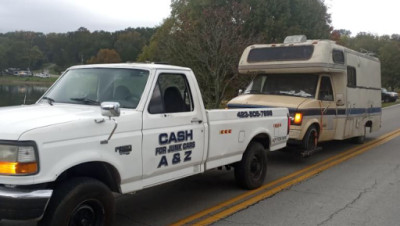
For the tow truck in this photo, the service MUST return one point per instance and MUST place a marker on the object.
(120, 128)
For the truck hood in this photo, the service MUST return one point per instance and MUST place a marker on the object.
(253, 100)
(14, 121)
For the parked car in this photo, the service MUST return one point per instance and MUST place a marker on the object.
(389, 96)
(42, 75)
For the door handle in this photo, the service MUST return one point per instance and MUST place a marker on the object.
(196, 120)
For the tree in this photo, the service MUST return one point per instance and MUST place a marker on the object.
(389, 54)
(105, 56)
(35, 57)
(341, 36)
(129, 45)
(211, 46)
(210, 35)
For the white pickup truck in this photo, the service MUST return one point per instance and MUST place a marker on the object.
(119, 128)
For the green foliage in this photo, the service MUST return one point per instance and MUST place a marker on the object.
(129, 45)
(24, 49)
(105, 56)
(389, 54)
(210, 35)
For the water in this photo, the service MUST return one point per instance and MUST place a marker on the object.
(16, 94)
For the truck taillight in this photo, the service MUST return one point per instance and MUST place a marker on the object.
(288, 123)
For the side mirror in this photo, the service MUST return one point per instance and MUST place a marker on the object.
(339, 99)
(110, 109)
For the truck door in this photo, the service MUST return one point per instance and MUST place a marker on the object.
(173, 130)
(328, 109)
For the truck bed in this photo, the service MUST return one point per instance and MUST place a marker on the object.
(230, 132)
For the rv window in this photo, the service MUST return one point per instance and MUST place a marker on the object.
(351, 77)
(299, 85)
(338, 56)
(280, 53)
(325, 90)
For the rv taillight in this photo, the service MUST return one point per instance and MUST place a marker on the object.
(288, 123)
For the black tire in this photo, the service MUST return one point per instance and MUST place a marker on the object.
(387, 100)
(80, 201)
(251, 170)
(360, 139)
(310, 140)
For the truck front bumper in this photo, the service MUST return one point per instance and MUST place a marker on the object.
(21, 204)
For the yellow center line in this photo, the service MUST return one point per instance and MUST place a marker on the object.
(320, 166)
(288, 184)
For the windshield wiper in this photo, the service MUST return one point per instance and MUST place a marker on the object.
(49, 100)
(86, 100)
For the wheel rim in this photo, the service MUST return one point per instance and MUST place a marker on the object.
(256, 167)
(312, 141)
(88, 213)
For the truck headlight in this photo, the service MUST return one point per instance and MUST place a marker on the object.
(18, 158)
(296, 118)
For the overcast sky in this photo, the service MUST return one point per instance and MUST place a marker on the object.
(378, 17)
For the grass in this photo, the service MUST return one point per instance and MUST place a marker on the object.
(387, 104)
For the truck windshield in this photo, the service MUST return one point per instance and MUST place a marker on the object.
(91, 86)
(300, 85)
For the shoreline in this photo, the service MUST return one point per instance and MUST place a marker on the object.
(4, 80)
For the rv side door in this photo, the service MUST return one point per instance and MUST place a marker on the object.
(328, 118)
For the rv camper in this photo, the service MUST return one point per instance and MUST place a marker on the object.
(332, 92)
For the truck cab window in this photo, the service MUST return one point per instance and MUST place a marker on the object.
(171, 95)
(325, 90)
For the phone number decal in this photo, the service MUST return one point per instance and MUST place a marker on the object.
(254, 114)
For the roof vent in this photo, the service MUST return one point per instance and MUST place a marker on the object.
(295, 39)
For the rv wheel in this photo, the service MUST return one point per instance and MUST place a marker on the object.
(360, 139)
(310, 140)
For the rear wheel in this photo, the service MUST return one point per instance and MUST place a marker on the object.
(80, 202)
(310, 139)
(251, 170)
(360, 139)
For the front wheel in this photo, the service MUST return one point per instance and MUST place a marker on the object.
(80, 202)
(251, 170)
(310, 140)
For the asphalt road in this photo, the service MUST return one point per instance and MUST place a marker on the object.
(364, 190)
(302, 204)
(360, 191)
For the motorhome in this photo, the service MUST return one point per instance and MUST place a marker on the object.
(332, 92)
